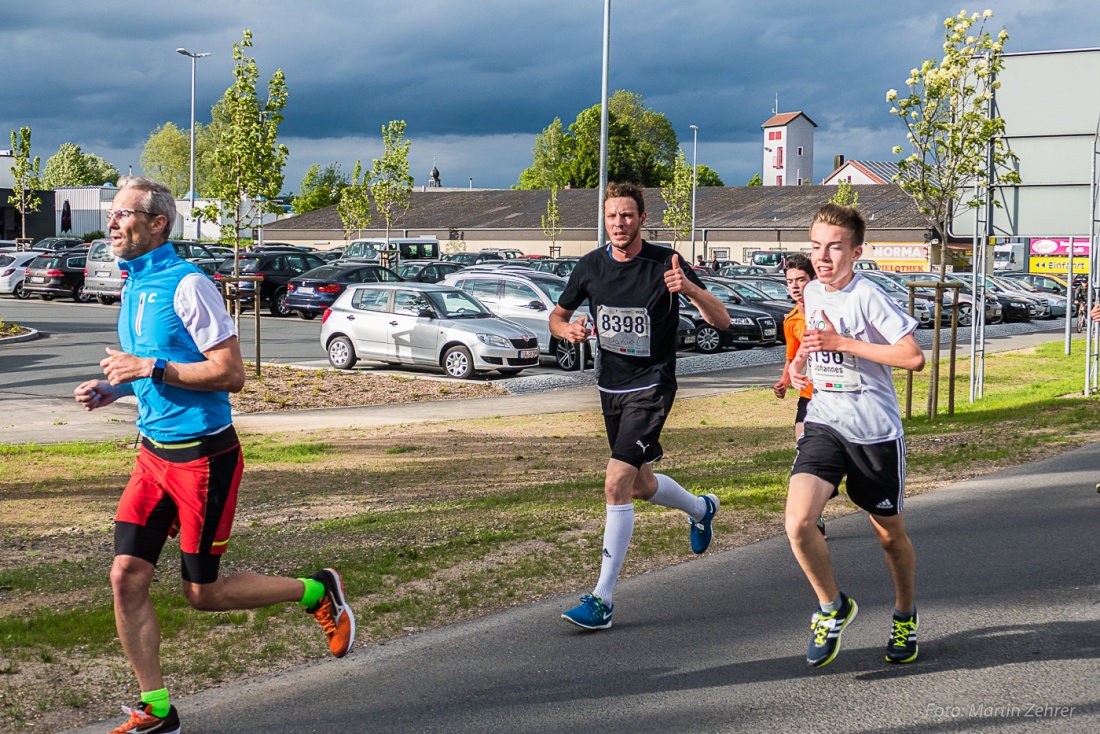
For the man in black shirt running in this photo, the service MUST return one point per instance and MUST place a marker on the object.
(632, 286)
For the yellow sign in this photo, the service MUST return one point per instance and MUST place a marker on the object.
(1040, 264)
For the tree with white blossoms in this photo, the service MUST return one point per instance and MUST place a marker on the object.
(951, 130)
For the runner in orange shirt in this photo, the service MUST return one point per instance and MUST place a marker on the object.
(799, 272)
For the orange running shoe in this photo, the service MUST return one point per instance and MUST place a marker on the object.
(333, 613)
(142, 721)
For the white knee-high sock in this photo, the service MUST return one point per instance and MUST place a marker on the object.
(616, 539)
(671, 494)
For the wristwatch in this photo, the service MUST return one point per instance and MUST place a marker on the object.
(158, 371)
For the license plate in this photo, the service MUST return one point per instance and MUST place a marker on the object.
(769, 332)
(689, 340)
(528, 353)
(305, 289)
(102, 274)
(36, 279)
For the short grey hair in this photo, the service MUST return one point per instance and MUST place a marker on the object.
(156, 198)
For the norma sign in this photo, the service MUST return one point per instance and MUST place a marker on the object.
(903, 257)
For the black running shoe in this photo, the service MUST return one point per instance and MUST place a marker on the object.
(825, 628)
(142, 721)
(902, 647)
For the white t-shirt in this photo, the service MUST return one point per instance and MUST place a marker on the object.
(200, 307)
(853, 396)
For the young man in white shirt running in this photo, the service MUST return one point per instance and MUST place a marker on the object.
(854, 335)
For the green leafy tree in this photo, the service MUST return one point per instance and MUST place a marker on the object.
(552, 153)
(845, 195)
(25, 177)
(653, 143)
(248, 172)
(584, 168)
(755, 180)
(677, 196)
(321, 187)
(950, 127)
(705, 176)
(392, 184)
(166, 157)
(71, 166)
(354, 205)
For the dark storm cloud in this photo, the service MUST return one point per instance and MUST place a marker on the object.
(491, 73)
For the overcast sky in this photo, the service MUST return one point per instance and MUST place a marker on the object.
(475, 80)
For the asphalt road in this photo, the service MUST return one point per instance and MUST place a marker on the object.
(75, 336)
(1008, 592)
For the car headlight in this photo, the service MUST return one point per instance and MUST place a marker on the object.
(493, 340)
(740, 321)
(1016, 304)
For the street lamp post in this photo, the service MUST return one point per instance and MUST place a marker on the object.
(694, 181)
(194, 57)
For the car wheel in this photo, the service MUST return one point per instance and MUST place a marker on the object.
(458, 363)
(19, 293)
(307, 315)
(966, 315)
(105, 300)
(278, 305)
(708, 339)
(566, 354)
(80, 295)
(341, 354)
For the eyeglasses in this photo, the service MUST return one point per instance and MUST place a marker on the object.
(123, 214)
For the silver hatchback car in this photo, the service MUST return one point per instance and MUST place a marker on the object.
(425, 324)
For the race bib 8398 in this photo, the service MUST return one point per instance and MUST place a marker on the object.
(623, 330)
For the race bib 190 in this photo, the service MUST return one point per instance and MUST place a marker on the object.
(623, 330)
(835, 372)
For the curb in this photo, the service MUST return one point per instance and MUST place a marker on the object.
(31, 335)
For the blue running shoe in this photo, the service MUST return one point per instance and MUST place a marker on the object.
(701, 531)
(825, 628)
(902, 647)
(592, 614)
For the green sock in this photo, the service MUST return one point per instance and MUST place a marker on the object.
(158, 702)
(315, 591)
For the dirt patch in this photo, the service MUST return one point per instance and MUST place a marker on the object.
(288, 388)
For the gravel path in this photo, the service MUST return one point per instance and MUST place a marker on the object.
(698, 363)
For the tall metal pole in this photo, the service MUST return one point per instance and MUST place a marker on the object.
(694, 182)
(194, 58)
(601, 231)
(1091, 362)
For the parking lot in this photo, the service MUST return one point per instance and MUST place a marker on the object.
(74, 337)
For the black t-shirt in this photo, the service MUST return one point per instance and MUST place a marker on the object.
(635, 316)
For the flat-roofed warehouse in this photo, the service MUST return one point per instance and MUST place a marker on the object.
(730, 221)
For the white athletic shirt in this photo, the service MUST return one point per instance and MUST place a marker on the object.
(200, 307)
(855, 396)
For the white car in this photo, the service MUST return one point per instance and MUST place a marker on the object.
(425, 324)
(13, 268)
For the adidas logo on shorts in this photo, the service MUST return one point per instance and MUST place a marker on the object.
(885, 505)
(606, 553)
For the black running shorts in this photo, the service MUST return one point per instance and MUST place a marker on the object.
(634, 421)
(876, 472)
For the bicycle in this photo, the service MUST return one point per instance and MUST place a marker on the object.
(1080, 311)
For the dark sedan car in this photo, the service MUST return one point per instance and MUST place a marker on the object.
(742, 294)
(57, 274)
(749, 327)
(276, 268)
(56, 244)
(311, 293)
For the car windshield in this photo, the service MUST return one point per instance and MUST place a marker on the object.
(325, 272)
(47, 262)
(464, 258)
(6, 260)
(1018, 284)
(246, 265)
(767, 259)
(551, 288)
(749, 293)
(457, 304)
(886, 284)
(410, 271)
(772, 289)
